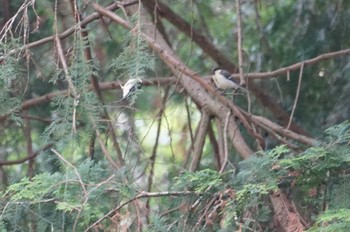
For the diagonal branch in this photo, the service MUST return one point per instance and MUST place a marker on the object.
(262, 95)
(32, 156)
(296, 96)
(195, 86)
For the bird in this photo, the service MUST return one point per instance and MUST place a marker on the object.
(223, 79)
(131, 87)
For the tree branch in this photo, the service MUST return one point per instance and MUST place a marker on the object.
(19, 161)
(297, 66)
(141, 195)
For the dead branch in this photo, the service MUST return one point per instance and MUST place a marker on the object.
(155, 147)
(296, 96)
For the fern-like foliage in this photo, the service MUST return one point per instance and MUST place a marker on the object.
(65, 200)
(135, 59)
(200, 181)
(12, 82)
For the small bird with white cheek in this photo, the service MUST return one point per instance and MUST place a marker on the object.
(223, 79)
(131, 87)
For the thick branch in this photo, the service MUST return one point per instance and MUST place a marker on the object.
(199, 141)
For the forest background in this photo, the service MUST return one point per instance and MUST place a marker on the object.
(179, 155)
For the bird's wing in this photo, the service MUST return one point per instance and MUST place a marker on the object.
(228, 75)
(130, 89)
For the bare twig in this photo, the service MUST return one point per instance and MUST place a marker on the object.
(296, 96)
(296, 66)
(239, 42)
(74, 168)
(19, 161)
(28, 139)
(189, 119)
(152, 159)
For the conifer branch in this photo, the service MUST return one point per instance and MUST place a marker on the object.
(69, 31)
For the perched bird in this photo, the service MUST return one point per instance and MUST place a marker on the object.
(223, 79)
(131, 87)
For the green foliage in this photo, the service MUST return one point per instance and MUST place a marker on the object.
(338, 134)
(73, 194)
(332, 220)
(12, 82)
(135, 59)
(200, 181)
(35, 189)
